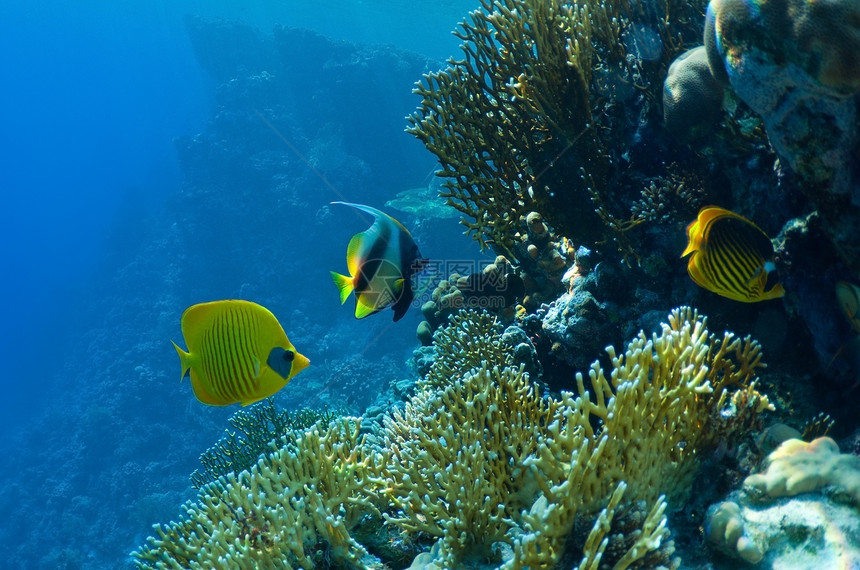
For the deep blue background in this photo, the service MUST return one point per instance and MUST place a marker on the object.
(97, 100)
(92, 97)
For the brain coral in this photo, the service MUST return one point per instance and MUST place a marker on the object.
(692, 96)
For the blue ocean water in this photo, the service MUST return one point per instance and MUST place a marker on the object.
(137, 180)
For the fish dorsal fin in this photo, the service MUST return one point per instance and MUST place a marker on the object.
(280, 361)
(379, 216)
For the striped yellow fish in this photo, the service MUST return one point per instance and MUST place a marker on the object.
(731, 257)
(237, 352)
(381, 262)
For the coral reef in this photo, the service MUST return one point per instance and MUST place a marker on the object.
(480, 462)
(535, 115)
(294, 508)
(538, 458)
(257, 427)
(469, 341)
(692, 97)
(495, 288)
(785, 515)
(797, 64)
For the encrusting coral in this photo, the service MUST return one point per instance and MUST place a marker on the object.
(797, 466)
(482, 460)
(724, 530)
(788, 515)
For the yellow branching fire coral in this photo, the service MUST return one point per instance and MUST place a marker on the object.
(529, 119)
(458, 460)
(490, 468)
(303, 499)
(487, 460)
(470, 340)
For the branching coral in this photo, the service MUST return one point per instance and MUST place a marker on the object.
(487, 460)
(257, 427)
(482, 459)
(457, 459)
(528, 119)
(294, 504)
(470, 340)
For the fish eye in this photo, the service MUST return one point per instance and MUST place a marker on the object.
(289, 355)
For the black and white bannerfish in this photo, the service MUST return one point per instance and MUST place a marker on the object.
(381, 261)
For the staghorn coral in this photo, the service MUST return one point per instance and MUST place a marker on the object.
(293, 509)
(530, 119)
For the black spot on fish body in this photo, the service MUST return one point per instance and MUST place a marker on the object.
(281, 361)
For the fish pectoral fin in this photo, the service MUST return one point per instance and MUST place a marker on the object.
(344, 285)
(257, 366)
(281, 361)
(398, 287)
(755, 274)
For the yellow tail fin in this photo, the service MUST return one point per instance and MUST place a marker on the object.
(344, 285)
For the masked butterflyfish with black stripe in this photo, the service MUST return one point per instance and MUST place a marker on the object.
(237, 352)
(731, 256)
(381, 261)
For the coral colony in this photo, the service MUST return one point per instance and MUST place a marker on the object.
(577, 141)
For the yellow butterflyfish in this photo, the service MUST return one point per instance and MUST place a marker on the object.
(237, 352)
(731, 256)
